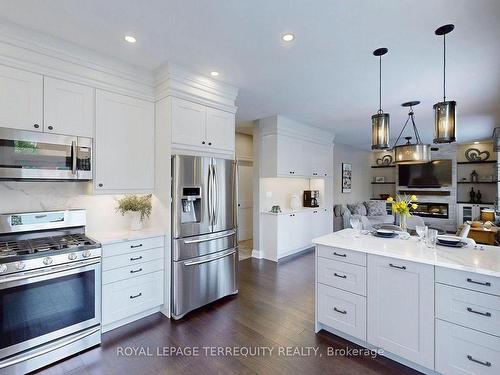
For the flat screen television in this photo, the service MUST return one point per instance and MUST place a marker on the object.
(435, 174)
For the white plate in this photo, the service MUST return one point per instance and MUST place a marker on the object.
(385, 232)
(450, 239)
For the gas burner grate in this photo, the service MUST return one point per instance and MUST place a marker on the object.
(73, 240)
(44, 244)
(11, 248)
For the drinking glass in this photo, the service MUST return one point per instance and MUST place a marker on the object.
(356, 225)
(421, 231)
(432, 238)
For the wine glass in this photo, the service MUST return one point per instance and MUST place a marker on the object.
(421, 231)
(356, 225)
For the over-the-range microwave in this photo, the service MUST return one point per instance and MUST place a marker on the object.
(30, 155)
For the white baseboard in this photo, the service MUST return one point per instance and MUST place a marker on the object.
(256, 254)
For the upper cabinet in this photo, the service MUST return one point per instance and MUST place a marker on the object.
(124, 144)
(68, 108)
(30, 101)
(21, 103)
(199, 128)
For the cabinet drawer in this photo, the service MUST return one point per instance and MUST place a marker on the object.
(342, 255)
(126, 247)
(131, 271)
(342, 310)
(349, 277)
(468, 308)
(133, 296)
(468, 280)
(137, 257)
(461, 350)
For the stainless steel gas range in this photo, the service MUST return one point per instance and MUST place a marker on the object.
(50, 289)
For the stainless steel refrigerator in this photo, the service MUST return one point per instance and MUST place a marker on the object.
(204, 232)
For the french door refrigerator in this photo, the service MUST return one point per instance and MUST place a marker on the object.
(204, 232)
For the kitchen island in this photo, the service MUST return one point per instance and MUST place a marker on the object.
(435, 310)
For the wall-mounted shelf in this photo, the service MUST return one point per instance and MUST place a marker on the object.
(426, 192)
(477, 162)
(487, 203)
(383, 183)
(478, 182)
(383, 166)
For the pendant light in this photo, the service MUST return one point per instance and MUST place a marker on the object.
(380, 120)
(411, 153)
(444, 112)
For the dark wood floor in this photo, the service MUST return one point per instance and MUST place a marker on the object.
(275, 308)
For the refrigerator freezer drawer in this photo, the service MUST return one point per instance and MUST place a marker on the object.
(198, 281)
(197, 246)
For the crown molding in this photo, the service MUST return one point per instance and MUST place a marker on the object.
(174, 80)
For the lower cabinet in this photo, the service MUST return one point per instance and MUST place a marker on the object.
(133, 280)
(401, 308)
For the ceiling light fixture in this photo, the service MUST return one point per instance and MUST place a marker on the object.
(411, 153)
(380, 120)
(214, 74)
(288, 37)
(444, 112)
(130, 39)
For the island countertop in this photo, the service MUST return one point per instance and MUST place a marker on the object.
(467, 258)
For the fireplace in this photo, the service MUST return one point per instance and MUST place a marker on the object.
(434, 210)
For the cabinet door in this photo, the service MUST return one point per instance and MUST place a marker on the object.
(301, 230)
(68, 108)
(321, 159)
(285, 241)
(188, 123)
(21, 98)
(220, 130)
(401, 308)
(291, 157)
(317, 225)
(124, 143)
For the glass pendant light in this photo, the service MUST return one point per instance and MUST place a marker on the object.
(411, 153)
(444, 112)
(380, 120)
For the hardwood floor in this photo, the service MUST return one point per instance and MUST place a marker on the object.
(275, 308)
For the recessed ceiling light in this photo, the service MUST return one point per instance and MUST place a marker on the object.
(288, 37)
(214, 74)
(130, 39)
(476, 142)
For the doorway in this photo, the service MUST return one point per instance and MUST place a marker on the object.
(245, 208)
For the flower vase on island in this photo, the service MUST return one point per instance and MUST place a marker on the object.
(402, 206)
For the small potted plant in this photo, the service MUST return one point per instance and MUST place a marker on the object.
(137, 208)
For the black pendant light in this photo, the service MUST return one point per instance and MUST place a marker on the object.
(444, 112)
(380, 120)
(411, 153)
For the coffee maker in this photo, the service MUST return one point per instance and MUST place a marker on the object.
(311, 198)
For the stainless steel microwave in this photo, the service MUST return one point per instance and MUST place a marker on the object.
(29, 155)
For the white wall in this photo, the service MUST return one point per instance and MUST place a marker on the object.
(21, 196)
(281, 190)
(361, 174)
(244, 147)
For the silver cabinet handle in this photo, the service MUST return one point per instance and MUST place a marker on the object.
(478, 312)
(74, 157)
(340, 311)
(209, 260)
(339, 255)
(398, 267)
(135, 271)
(137, 295)
(198, 240)
(486, 283)
(136, 258)
(486, 363)
(341, 276)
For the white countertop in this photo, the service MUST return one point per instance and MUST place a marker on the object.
(486, 262)
(286, 211)
(106, 238)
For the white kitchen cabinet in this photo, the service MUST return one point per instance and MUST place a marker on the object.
(293, 232)
(124, 157)
(68, 108)
(471, 211)
(321, 222)
(401, 308)
(291, 157)
(321, 159)
(199, 128)
(21, 99)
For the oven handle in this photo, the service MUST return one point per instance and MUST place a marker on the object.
(58, 345)
(52, 270)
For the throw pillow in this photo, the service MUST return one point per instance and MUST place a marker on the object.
(357, 209)
(375, 208)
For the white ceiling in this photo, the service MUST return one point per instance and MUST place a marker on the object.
(327, 77)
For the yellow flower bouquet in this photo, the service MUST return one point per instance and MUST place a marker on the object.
(403, 206)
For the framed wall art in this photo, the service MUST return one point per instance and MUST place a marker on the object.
(346, 178)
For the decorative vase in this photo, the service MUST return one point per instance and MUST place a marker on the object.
(294, 202)
(135, 220)
(402, 222)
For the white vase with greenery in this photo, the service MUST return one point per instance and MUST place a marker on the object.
(137, 208)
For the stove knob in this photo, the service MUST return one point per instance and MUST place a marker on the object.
(72, 256)
(3, 268)
(86, 253)
(20, 265)
(47, 261)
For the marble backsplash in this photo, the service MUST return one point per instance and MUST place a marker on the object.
(21, 196)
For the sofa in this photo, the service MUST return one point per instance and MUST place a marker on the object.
(371, 213)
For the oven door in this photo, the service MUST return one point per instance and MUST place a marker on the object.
(39, 306)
